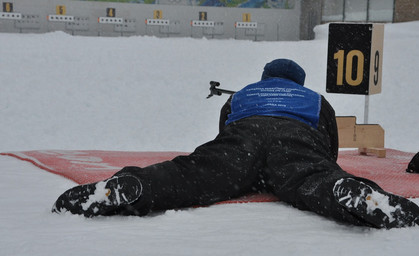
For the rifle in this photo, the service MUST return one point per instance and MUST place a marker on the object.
(217, 91)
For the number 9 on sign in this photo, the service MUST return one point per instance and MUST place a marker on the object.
(376, 67)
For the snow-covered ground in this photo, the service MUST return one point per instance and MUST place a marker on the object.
(148, 94)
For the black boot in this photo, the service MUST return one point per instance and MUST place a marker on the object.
(101, 198)
(375, 206)
(413, 166)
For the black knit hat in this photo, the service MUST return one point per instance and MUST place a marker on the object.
(284, 68)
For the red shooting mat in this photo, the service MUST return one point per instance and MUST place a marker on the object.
(86, 166)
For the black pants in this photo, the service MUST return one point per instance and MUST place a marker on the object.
(277, 155)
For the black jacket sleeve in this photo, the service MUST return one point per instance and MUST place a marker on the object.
(225, 110)
(328, 127)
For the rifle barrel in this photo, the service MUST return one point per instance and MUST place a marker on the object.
(225, 91)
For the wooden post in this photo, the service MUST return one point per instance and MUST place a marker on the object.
(368, 138)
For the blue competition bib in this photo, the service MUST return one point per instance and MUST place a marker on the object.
(276, 97)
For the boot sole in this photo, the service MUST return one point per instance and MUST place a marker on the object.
(378, 208)
(100, 198)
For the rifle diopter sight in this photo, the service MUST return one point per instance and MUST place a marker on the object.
(217, 91)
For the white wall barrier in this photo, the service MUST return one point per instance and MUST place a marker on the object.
(127, 19)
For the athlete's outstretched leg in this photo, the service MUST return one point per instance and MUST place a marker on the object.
(221, 169)
(301, 172)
